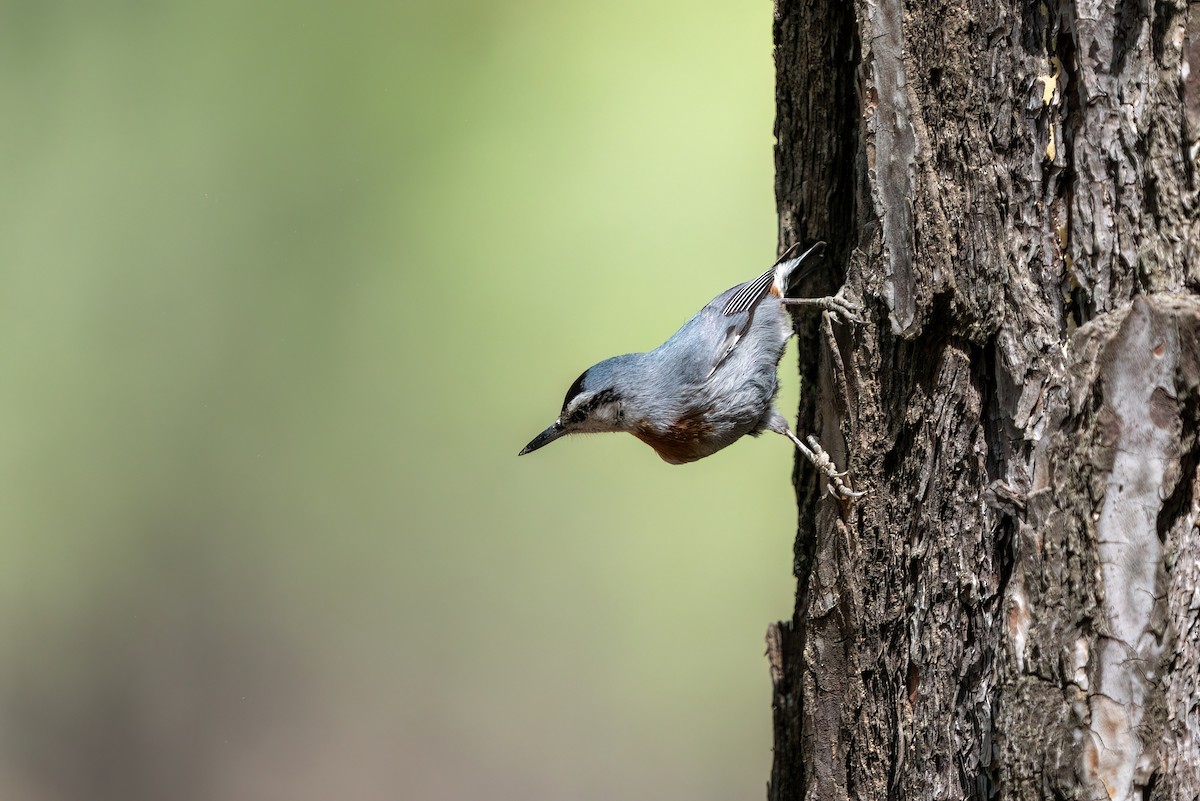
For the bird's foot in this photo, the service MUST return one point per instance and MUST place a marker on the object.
(815, 454)
(822, 460)
(838, 305)
(824, 464)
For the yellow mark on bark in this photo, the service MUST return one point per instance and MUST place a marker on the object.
(1050, 82)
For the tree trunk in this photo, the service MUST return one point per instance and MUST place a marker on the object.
(1013, 608)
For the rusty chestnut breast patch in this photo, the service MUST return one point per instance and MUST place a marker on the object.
(683, 441)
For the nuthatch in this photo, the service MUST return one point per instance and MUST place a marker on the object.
(710, 384)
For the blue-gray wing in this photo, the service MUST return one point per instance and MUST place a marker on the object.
(740, 307)
(739, 312)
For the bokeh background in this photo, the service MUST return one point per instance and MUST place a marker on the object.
(283, 289)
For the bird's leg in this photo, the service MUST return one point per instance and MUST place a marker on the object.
(820, 460)
(837, 304)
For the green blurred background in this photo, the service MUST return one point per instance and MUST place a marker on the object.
(283, 289)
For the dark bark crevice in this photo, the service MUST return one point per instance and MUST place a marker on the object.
(816, 150)
(1182, 500)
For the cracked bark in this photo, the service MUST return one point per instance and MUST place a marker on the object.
(1013, 610)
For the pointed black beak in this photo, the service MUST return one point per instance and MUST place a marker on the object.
(545, 438)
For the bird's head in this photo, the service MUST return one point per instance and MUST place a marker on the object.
(597, 402)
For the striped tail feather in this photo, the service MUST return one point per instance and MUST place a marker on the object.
(775, 280)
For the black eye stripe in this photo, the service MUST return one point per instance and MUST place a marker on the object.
(599, 399)
(602, 397)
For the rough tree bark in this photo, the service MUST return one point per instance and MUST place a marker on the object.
(1013, 609)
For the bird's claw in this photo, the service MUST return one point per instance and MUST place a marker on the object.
(838, 489)
(841, 306)
(821, 460)
(838, 305)
(815, 454)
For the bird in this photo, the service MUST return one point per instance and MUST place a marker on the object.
(712, 383)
